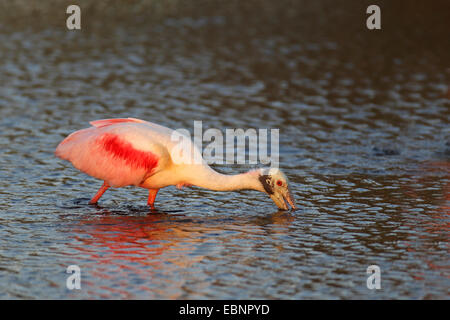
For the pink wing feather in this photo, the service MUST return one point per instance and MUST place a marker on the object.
(108, 122)
(107, 152)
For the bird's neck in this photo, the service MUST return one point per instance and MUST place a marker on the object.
(206, 177)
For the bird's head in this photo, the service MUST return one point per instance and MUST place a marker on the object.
(276, 185)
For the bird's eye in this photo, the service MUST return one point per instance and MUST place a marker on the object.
(279, 183)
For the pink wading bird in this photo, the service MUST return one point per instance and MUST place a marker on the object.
(124, 152)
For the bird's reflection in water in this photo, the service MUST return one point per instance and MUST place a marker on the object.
(135, 238)
(149, 245)
(433, 224)
(277, 218)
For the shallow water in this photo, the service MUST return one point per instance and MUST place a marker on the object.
(364, 140)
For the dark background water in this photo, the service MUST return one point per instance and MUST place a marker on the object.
(364, 138)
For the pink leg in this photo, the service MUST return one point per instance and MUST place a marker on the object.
(151, 197)
(99, 193)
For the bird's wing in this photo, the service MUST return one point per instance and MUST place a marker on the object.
(119, 151)
(177, 143)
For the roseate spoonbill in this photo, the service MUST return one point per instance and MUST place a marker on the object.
(130, 151)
